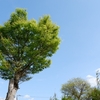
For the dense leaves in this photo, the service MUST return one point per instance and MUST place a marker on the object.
(26, 45)
(95, 94)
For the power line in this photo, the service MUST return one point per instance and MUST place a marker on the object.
(35, 96)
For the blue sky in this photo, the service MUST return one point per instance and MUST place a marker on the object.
(79, 52)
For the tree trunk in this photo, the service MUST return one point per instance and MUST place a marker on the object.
(12, 89)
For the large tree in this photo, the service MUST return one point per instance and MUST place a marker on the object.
(25, 48)
(76, 88)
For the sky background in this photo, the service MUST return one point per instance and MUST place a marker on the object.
(79, 52)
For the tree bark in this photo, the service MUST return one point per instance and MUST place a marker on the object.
(12, 89)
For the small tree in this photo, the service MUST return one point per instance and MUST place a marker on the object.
(76, 88)
(54, 97)
(25, 48)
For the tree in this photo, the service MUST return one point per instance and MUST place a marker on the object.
(76, 88)
(25, 48)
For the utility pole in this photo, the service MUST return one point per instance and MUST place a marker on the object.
(98, 79)
(17, 97)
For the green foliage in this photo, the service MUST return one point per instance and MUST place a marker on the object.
(95, 94)
(76, 88)
(26, 45)
(66, 98)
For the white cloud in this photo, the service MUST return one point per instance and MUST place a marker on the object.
(2, 98)
(31, 99)
(15, 99)
(28, 97)
(92, 80)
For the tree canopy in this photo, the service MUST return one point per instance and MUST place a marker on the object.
(76, 88)
(26, 45)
